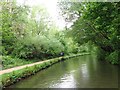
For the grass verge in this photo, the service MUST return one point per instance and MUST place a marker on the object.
(8, 79)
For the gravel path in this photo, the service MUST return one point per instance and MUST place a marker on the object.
(24, 66)
(20, 67)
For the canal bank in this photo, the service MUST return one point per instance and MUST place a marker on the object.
(13, 75)
(84, 71)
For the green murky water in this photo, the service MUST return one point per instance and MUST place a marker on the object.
(79, 72)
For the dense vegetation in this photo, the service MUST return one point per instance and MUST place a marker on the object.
(98, 23)
(28, 33)
(15, 76)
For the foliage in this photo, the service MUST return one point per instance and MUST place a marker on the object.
(101, 54)
(113, 57)
(12, 23)
(102, 18)
(28, 32)
(15, 76)
(97, 22)
(87, 47)
(40, 45)
(9, 62)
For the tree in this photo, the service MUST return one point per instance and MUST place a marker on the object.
(98, 22)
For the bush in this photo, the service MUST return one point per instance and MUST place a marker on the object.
(9, 62)
(41, 46)
(113, 57)
(101, 54)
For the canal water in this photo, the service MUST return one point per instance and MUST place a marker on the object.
(79, 72)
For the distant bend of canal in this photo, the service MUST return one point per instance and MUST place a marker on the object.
(79, 72)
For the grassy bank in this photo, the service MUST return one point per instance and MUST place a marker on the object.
(15, 76)
(10, 62)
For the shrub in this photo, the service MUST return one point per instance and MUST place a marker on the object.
(113, 57)
(9, 62)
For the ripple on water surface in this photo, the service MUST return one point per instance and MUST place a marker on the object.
(79, 72)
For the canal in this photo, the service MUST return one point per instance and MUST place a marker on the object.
(79, 72)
